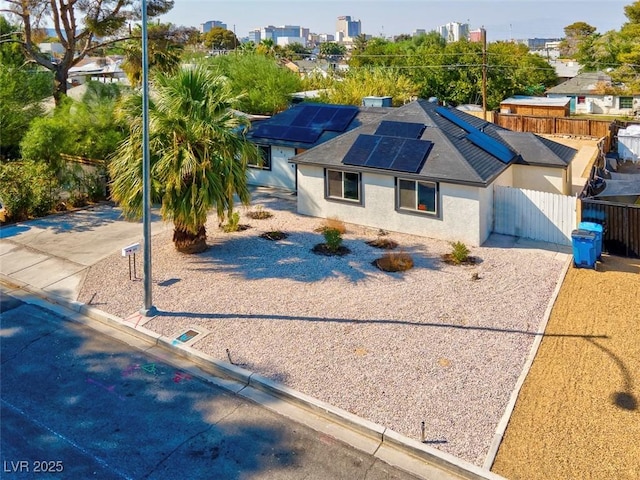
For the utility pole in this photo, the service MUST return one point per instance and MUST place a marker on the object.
(484, 73)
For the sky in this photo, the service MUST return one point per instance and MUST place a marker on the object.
(503, 19)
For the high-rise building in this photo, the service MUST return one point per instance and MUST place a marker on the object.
(454, 31)
(286, 34)
(206, 26)
(475, 35)
(254, 36)
(347, 29)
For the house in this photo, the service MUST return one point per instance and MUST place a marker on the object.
(594, 92)
(536, 106)
(426, 170)
(295, 130)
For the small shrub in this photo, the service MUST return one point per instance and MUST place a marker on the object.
(259, 213)
(459, 253)
(233, 223)
(333, 223)
(394, 262)
(333, 238)
(383, 243)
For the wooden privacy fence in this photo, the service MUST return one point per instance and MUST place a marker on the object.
(621, 224)
(554, 125)
(543, 216)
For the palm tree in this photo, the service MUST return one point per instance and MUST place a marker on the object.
(198, 154)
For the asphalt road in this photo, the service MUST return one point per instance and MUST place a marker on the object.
(77, 404)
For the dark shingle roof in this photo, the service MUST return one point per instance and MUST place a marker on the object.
(583, 84)
(453, 157)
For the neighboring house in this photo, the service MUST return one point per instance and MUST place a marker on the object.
(103, 69)
(426, 170)
(295, 130)
(536, 106)
(591, 92)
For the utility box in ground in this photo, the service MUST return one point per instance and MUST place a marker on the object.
(598, 230)
(584, 248)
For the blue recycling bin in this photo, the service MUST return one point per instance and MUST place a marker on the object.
(598, 230)
(584, 248)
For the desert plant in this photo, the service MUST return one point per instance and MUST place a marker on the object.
(333, 238)
(259, 213)
(394, 262)
(233, 223)
(333, 223)
(459, 253)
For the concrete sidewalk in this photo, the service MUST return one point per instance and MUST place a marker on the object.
(45, 261)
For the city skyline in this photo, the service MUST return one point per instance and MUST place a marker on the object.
(503, 19)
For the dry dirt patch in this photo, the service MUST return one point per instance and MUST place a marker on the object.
(578, 414)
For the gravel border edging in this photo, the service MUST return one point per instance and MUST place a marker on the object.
(504, 421)
(385, 437)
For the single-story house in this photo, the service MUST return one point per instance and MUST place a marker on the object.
(426, 170)
(536, 106)
(590, 93)
(295, 130)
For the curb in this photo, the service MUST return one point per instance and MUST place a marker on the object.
(387, 445)
(504, 421)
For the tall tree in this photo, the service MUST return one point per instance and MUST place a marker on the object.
(219, 38)
(575, 34)
(81, 26)
(165, 46)
(198, 154)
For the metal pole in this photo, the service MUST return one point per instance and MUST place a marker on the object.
(148, 310)
(484, 73)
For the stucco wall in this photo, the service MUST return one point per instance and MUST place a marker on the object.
(282, 173)
(603, 104)
(460, 216)
(542, 179)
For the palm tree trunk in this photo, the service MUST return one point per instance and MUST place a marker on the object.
(187, 242)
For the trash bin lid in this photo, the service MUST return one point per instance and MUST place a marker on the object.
(583, 235)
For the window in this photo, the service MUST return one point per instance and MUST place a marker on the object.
(343, 185)
(417, 196)
(264, 160)
(582, 100)
(626, 102)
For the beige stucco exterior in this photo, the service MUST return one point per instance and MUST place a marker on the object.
(282, 173)
(464, 212)
(542, 179)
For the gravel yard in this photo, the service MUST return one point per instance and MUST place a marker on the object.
(430, 344)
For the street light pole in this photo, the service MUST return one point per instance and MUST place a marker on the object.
(148, 310)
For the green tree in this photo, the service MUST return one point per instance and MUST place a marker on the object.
(164, 51)
(22, 87)
(295, 51)
(575, 34)
(264, 87)
(198, 154)
(268, 47)
(219, 38)
(364, 82)
(79, 25)
(332, 49)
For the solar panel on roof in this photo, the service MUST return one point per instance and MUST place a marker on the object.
(361, 149)
(491, 146)
(341, 119)
(388, 153)
(266, 130)
(385, 152)
(302, 134)
(452, 117)
(306, 115)
(400, 129)
(412, 156)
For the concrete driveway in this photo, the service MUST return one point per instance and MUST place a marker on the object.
(53, 253)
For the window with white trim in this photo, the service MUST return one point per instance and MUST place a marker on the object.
(626, 102)
(417, 196)
(264, 159)
(343, 185)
